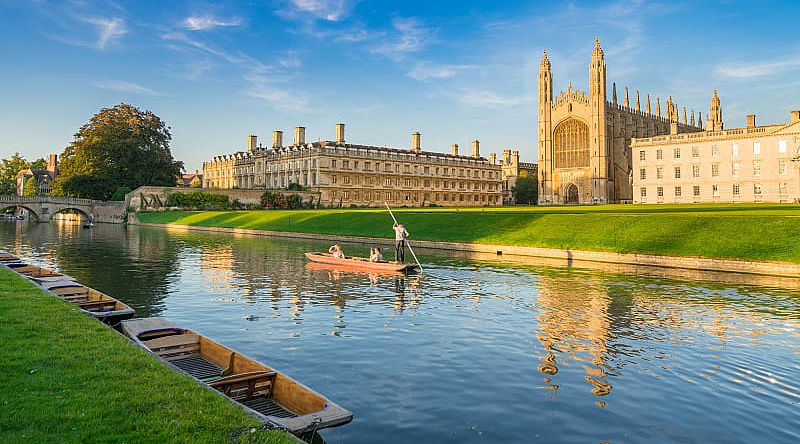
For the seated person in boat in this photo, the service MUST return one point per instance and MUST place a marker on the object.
(336, 251)
(375, 255)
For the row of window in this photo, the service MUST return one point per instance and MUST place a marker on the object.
(783, 168)
(735, 150)
(369, 196)
(408, 183)
(736, 188)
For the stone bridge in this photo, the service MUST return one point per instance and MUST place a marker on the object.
(43, 208)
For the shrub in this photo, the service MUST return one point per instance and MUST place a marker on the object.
(271, 200)
(196, 200)
(119, 195)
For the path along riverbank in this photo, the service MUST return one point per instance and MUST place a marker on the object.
(69, 378)
(757, 239)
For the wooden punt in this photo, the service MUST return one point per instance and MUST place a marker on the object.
(8, 257)
(265, 392)
(351, 270)
(100, 305)
(359, 263)
(35, 273)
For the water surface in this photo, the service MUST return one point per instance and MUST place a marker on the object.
(468, 352)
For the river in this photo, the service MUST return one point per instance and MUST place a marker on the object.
(469, 351)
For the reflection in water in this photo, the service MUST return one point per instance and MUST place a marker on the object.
(468, 351)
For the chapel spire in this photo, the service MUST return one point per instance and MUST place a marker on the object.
(714, 121)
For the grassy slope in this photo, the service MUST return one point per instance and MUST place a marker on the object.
(65, 378)
(755, 232)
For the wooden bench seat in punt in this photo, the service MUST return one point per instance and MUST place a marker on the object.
(175, 347)
(246, 386)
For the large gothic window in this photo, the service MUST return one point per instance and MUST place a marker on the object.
(571, 144)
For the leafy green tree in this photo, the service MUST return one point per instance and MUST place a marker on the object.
(119, 195)
(31, 187)
(119, 146)
(526, 190)
(39, 164)
(8, 173)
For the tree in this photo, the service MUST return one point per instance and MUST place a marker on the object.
(526, 189)
(119, 146)
(39, 164)
(8, 173)
(31, 187)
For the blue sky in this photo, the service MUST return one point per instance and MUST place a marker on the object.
(453, 70)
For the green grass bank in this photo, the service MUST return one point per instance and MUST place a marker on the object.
(759, 232)
(66, 378)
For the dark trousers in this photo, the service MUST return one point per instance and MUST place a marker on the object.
(400, 251)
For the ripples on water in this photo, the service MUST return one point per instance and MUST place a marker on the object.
(469, 351)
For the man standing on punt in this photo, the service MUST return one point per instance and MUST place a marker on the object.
(400, 234)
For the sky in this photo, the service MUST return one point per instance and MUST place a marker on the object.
(453, 70)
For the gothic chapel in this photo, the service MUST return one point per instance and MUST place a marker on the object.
(585, 139)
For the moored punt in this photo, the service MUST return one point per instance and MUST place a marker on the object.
(100, 305)
(36, 273)
(265, 392)
(8, 257)
(359, 263)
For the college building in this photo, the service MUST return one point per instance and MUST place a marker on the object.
(585, 138)
(750, 164)
(347, 174)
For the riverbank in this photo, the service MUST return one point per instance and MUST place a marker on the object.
(69, 378)
(751, 233)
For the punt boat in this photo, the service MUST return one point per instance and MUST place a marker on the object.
(37, 274)
(8, 257)
(266, 393)
(359, 263)
(100, 305)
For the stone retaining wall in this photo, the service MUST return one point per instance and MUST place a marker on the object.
(568, 257)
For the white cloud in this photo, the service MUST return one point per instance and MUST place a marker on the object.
(330, 10)
(412, 36)
(745, 69)
(424, 72)
(291, 61)
(202, 23)
(109, 30)
(127, 87)
(477, 98)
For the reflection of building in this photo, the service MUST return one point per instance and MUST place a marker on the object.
(584, 139)
(348, 174)
(574, 324)
(43, 177)
(751, 164)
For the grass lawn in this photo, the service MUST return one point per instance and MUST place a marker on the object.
(744, 231)
(67, 378)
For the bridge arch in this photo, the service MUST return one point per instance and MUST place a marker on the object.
(81, 212)
(5, 206)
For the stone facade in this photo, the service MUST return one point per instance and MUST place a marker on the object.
(511, 169)
(751, 164)
(584, 138)
(348, 174)
(44, 178)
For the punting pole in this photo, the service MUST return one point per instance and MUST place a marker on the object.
(409, 245)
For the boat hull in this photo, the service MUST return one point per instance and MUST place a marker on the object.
(152, 334)
(359, 263)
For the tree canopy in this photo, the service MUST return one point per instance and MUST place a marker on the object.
(31, 187)
(526, 189)
(121, 146)
(9, 169)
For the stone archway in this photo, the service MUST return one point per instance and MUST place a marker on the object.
(31, 212)
(571, 196)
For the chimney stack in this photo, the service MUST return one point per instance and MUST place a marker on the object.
(751, 120)
(515, 157)
(506, 157)
(340, 133)
(795, 116)
(416, 142)
(252, 142)
(52, 164)
(277, 139)
(476, 148)
(492, 158)
(454, 149)
(300, 135)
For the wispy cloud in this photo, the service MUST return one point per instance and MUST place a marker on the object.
(329, 10)
(127, 87)
(748, 69)
(410, 36)
(264, 81)
(353, 35)
(425, 72)
(202, 23)
(109, 30)
(478, 98)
